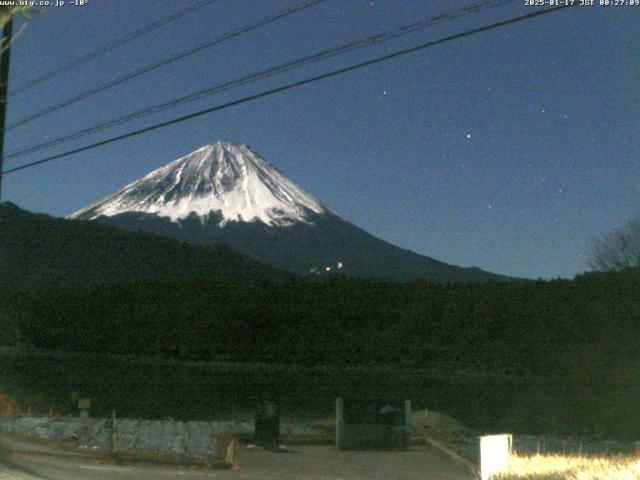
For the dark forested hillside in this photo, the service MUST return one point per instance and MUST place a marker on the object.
(37, 249)
(510, 325)
(571, 346)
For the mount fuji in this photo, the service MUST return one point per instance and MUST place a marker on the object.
(227, 194)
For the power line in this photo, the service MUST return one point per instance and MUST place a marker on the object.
(268, 73)
(166, 61)
(291, 86)
(109, 46)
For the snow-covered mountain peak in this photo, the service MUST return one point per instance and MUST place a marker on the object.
(224, 177)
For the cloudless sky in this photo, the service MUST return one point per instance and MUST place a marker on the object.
(508, 150)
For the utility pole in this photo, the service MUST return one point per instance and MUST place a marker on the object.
(5, 57)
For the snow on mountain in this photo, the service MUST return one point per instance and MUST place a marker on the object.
(226, 178)
(265, 217)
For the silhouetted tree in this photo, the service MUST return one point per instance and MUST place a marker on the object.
(617, 250)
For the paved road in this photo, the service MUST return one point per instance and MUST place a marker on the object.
(300, 463)
(327, 463)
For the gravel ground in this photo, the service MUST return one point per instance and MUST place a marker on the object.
(528, 444)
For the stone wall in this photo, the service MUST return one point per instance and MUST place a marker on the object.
(196, 439)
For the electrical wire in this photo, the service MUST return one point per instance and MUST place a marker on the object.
(293, 85)
(166, 61)
(268, 73)
(109, 46)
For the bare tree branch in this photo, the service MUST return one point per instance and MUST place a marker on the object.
(617, 250)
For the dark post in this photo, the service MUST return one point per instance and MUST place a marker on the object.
(267, 424)
(113, 431)
(5, 57)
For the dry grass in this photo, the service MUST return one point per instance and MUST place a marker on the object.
(557, 467)
(8, 406)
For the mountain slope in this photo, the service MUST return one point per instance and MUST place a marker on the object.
(37, 249)
(326, 245)
(226, 194)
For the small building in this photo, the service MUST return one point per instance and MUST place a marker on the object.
(373, 424)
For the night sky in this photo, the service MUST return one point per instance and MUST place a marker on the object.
(508, 150)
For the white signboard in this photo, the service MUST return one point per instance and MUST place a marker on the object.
(494, 454)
